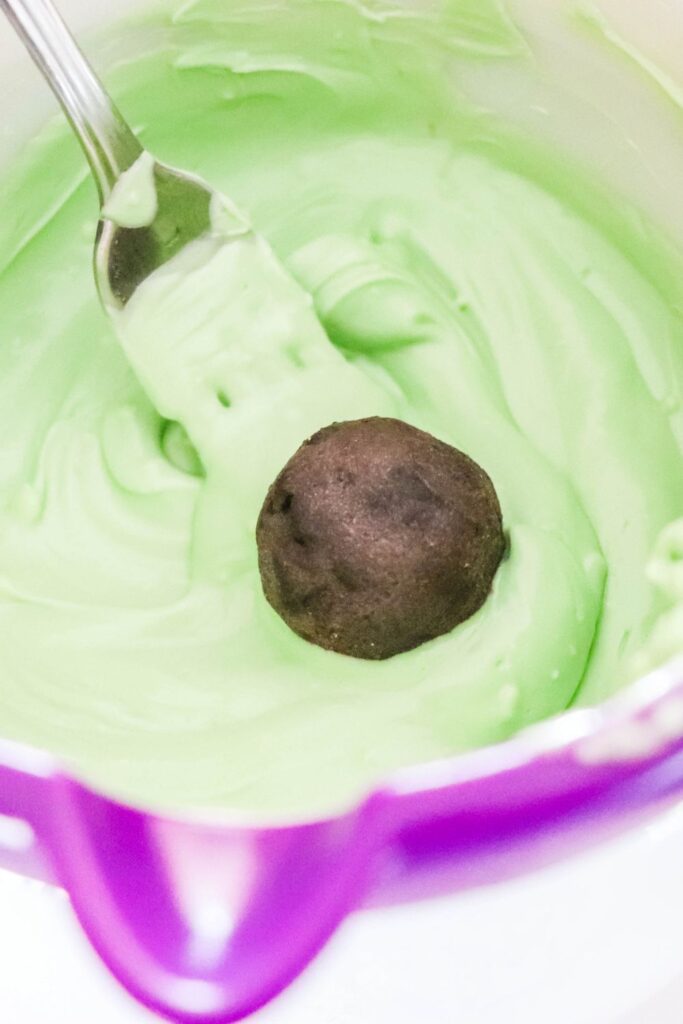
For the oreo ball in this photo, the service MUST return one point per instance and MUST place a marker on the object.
(377, 537)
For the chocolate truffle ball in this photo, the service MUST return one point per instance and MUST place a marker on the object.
(377, 537)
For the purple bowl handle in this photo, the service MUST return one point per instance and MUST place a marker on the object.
(25, 782)
(199, 923)
(206, 923)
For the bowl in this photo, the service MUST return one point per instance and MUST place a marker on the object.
(261, 899)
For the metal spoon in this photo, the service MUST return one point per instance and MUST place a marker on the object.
(124, 257)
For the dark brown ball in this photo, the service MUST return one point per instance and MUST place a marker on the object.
(376, 537)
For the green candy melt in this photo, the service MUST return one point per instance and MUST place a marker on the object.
(410, 257)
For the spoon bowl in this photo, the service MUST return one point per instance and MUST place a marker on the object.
(124, 255)
(127, 256)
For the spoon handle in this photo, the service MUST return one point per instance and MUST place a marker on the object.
(109, 144)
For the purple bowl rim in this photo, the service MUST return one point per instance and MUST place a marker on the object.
(563, 734)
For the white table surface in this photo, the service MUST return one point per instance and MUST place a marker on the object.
(594, 941)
